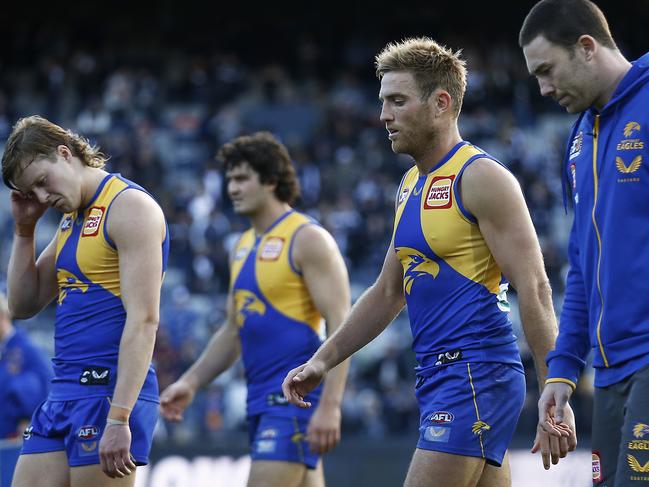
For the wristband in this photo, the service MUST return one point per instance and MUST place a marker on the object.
(114, 404)
(23, 231)
(562, 381)
(115, 422)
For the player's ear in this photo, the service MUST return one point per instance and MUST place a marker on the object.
(588, 46)
(442, 101)
(64, 151)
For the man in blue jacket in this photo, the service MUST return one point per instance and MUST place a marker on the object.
(569, 49)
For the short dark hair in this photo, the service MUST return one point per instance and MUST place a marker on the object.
(562, 22)
(267, 157)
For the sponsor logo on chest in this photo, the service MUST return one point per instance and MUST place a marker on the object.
(440, 193)
(93, 221)
(272, 248)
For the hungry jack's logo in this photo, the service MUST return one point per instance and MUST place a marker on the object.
(439, 195)
(91, 227)
(415, 265)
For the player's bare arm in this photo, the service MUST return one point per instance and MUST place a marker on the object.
(222, 351)
(493, 196)
(31, 283)
(323, 269)
(369, 316)
(136, 226)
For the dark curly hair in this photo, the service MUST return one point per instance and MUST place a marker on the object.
(267, 157)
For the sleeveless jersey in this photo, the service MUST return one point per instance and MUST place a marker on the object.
(278, 322)
(90, 316)
(455, 292)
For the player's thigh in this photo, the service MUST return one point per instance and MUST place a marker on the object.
(470, 409)
(434, 468)
(608, 420)
(43, 469)
(92, 475)
(633, 456)
(314, 477)
(269, 473)
(493, 476)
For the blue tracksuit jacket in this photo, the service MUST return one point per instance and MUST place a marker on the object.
(606, 306)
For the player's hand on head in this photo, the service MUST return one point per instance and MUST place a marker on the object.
(302, 380)
(175, 399)
(26, 210)
(115, 451)
(323, 432)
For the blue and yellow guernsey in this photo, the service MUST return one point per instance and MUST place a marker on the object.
(90, 316)
(455, 292)
(279, 325)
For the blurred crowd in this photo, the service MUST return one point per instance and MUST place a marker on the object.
(161, 116)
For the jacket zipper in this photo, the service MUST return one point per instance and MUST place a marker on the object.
(599, 242)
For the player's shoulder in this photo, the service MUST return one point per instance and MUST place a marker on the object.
(485, 167)
(135, 212)
(311, 239)
(134, 202)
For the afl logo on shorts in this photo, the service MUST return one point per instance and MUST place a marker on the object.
(89, 432)
(91, 227)
(442, 417)
(439, 195)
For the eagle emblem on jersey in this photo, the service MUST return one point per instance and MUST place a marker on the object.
(480, 427)
(415, 265)
(298, 437)
(635, 464)
(631, 127)
(69, 283)
(633, 167)
(247, 303)
(640, 429)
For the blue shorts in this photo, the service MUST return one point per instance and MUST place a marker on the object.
(470, 409)
(281, 439)
(76, 428)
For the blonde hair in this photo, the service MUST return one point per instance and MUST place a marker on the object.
(36, 136)
(432, 65)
